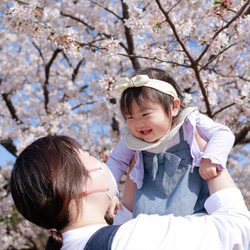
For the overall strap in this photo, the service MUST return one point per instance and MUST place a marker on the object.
(102, 238)
(181, 134)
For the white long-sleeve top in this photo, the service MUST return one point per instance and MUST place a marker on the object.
(227, 227)
(220, 141)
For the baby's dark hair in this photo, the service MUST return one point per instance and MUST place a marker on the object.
(42, 183)
(144, 94)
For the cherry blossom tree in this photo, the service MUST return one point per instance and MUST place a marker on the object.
(60, 62)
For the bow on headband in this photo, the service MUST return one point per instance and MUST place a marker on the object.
(144, 80)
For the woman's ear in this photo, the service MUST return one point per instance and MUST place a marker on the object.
(175, 107)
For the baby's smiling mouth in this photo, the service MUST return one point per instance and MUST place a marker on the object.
(145, 132)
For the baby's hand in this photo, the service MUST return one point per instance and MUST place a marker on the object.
(114, 206)
(208, 170)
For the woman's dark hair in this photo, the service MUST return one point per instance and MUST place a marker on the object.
(46, 176)
(144, 94)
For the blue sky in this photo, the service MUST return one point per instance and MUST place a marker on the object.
(5, 156)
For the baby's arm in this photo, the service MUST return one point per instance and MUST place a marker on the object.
(128, 195)
(207, 169)
(129, 189)
(119, 160)
(126, 213)
(220, 140)
(118, 163)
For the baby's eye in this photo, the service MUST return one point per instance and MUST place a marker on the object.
(145, 114)
(129, 117)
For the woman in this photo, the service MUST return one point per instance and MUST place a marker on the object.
(60, 187)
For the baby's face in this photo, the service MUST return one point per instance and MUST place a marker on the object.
(148, 123)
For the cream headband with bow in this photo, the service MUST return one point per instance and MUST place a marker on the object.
(144, 80)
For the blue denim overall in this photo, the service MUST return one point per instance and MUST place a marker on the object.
(102, 239)
(169, 187)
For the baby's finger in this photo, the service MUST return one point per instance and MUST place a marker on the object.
(119, 206)
(111, 214)
(111, 211)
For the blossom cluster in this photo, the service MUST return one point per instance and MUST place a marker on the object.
(30, 21)
(22, 19)
(222, 7)
(110, 48)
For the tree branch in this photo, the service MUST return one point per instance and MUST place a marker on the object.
(238, 14)
(11, 108)
(9, 146)
(216, 56)
(172, 26)
(77, 19)
(155, 59)
(76, 70)
(105, 8)
(194, 64)
(39, 51)
(225, 107)
(128, 34)
(129, 37)
(241, 136)
(46, 82)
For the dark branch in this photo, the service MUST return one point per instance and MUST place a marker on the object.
(194, 64)
(240, 138)
(11, 108)
(46, 82)
(9, 146)
(129, 38)
(238, 14)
